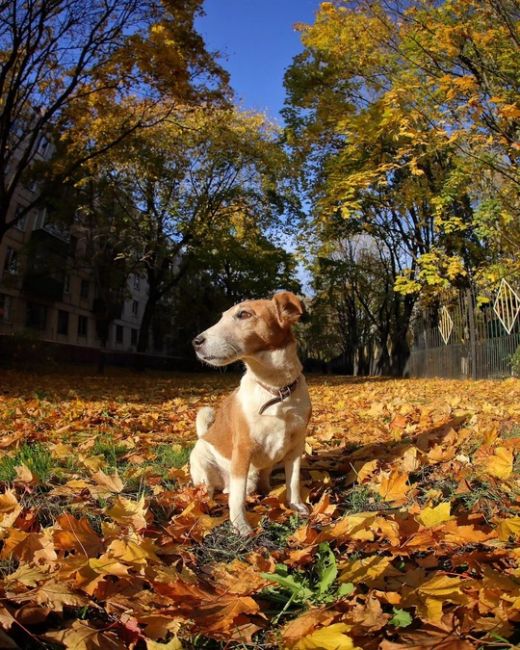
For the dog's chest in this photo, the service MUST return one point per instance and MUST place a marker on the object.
(278, 430)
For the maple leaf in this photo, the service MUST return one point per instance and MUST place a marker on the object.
(53, 594)
(332, 637)
(500, 464)
(129, 513)
(508, 528)
(111, 483)
(433, 516)
(9, 511)
(79, 636)
(237, 577)
(367, 570)
(435, 592)
(76, 534)
(225, 612)
(394, 486)
(173, 644)
(136, 552)
(303, 625)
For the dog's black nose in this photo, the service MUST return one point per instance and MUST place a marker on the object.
(198, 341)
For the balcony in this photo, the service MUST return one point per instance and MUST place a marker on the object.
(44, 287)
(44, 277)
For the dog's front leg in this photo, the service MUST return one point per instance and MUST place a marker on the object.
(240, 462)
(292, 479)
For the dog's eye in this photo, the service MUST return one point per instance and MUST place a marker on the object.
(242, 314)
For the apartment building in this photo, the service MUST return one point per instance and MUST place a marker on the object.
(46, 294)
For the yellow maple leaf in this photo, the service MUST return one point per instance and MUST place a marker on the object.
(500, 464)
(172, 644)
(332, 637)
(129, 513)
(509, 528)
(394, 487)
(365, 570)
(366, 470)
(356, 526)
(135, 552)
(433, 516)
(435, 592)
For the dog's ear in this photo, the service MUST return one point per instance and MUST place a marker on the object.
(289, 308)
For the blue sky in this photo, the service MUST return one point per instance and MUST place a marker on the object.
(258, 41)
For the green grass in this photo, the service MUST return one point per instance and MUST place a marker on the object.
(168, 456)
(110, 450)
(34, 456)
(361, 499)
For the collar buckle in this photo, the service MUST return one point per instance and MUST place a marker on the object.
(284, 392)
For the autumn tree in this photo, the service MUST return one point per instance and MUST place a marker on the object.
(201, 181)
(79, 77)
(414, 104)
(395, 136)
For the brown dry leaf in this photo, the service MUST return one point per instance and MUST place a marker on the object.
(304, 625)
(225, 612)
(76, 534)
(111, 483)
(79, 636)
(237, 577)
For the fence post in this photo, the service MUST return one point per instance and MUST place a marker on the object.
(472, 333)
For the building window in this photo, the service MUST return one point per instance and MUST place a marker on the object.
(43, 144)
(119, 333)
(66, 283)
(39, 222)
(133, 336)
(11, 261)
(135, 308)
(83, 326)
(84, 290)
(21, 224)
(63, 322)
(5, 308)
(137, 282)
(36, 316)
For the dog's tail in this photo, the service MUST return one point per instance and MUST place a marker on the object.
(205, 418)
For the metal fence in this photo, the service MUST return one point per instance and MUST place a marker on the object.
(463, 338)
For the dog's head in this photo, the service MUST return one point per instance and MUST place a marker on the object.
(248, 328)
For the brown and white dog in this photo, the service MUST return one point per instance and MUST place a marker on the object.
(263, 422)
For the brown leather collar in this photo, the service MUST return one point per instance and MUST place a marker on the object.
(280, 393)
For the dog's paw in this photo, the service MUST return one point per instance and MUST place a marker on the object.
(300, 508)
(242, 528)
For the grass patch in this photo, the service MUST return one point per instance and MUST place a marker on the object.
(446, 487)
(111, 450)
(34, 456)
(172, 456)
(223, 544)
(361, 498)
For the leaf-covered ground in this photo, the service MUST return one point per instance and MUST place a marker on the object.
(412, 541)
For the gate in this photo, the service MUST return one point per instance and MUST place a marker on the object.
(463, 339)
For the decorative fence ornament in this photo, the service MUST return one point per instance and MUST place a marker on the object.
(507, 305)
(445, 324)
